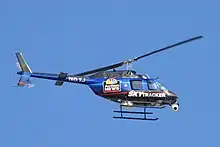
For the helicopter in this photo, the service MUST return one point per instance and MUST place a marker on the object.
(126, 87)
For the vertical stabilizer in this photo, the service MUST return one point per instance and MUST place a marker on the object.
(25, 72)
(22, 63)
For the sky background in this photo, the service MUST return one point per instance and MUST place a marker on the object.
(75, 36)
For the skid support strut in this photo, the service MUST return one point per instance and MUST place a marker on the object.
(134, 112)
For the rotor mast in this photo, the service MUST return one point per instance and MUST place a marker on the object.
(129, 64)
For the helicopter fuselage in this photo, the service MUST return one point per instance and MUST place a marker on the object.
(124, 87)
(131, 89)
(132, 92)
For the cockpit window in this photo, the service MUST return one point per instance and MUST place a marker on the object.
(136, 85)
(161, 86)
(152, 86)
(155, 85)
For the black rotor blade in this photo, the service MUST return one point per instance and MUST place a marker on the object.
(135, 59)
(101, 69)
(168, 47)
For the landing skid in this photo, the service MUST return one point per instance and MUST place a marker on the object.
(134, 112)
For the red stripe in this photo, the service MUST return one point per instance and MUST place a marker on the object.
(113, 93)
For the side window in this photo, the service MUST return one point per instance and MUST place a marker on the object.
(136, 85)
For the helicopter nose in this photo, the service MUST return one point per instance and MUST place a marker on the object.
(170, 93)
(172, 96)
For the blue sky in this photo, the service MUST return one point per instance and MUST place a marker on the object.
(74, 36)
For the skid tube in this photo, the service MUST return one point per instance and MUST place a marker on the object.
(134, 112)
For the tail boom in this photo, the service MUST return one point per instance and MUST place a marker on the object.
(26, 75)
(60, 78)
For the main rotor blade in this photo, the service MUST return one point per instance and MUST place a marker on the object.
(101, 69)
(168, 47)
(137, 58)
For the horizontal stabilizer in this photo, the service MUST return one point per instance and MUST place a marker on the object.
(62, 76)
(59, 83)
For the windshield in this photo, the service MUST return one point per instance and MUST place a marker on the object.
(155, 85)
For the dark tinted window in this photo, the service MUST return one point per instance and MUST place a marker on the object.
(136, 85)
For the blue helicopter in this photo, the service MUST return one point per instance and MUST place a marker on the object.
(121, 86)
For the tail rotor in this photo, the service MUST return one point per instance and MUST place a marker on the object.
(24, 72)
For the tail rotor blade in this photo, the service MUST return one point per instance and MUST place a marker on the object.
(30, 84)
